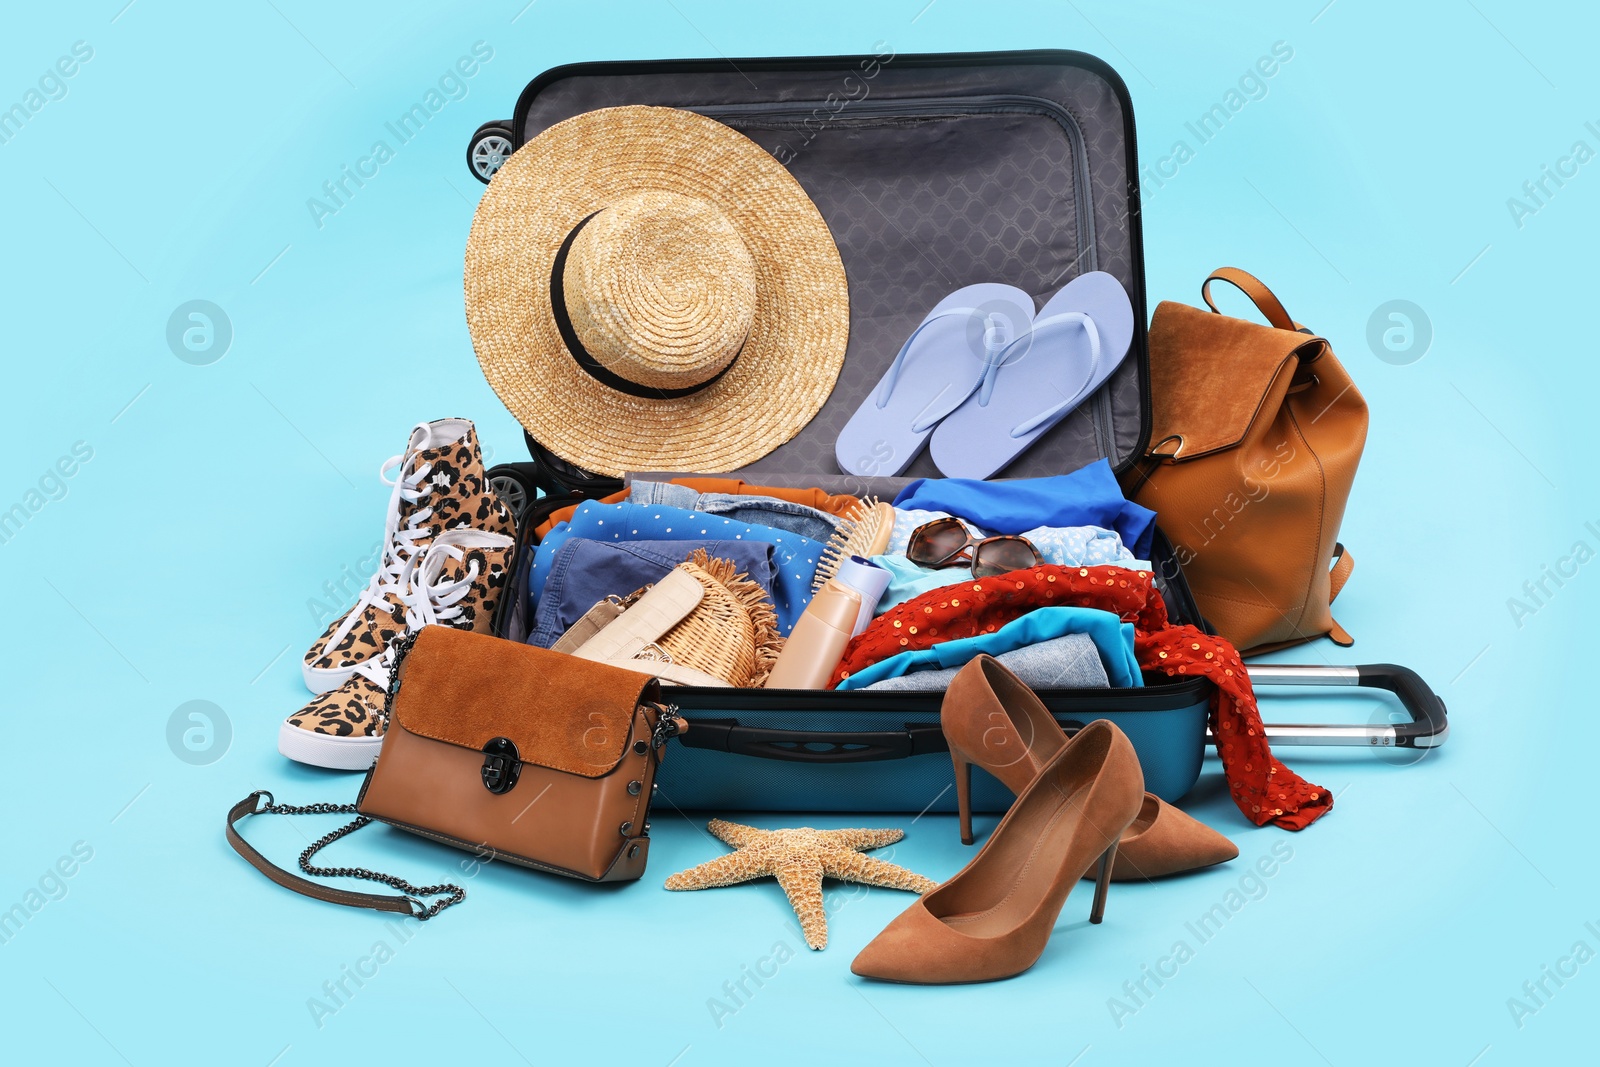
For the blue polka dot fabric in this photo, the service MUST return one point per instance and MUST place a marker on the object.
(794, 557)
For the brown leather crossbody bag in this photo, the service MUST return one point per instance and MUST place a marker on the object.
(515, 752)
(1255, 436)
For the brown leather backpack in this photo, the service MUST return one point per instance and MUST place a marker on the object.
(1255, 436)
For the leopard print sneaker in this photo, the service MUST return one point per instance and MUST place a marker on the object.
(458, 583)
(439, 484)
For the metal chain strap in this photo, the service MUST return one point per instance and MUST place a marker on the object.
(401, 648)
(451, 894)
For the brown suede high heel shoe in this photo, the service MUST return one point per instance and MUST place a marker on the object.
(991, 718)
(994, 918)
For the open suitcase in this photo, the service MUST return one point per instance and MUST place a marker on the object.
(933, 172)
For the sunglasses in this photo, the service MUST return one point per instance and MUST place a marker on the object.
(946, 543)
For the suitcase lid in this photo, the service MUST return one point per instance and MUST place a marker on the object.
(933, 172)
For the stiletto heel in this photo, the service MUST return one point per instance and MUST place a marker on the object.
(1102, 883)
(963, 767)
(994, 918)
(994, 720)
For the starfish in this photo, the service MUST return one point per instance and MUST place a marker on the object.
(799, 859)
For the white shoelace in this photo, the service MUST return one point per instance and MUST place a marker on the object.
(399, 543)
(428, 602)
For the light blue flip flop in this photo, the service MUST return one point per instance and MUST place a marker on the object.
(1078, 338)
(939, 366)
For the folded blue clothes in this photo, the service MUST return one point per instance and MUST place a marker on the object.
(1112, 637)
(1089, 496)
(1070, 662)
(794, 558)
(1065, 546)
(1075, 546)
(765, 510)
(584, 572)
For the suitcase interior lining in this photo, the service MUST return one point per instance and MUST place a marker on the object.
(932, 173)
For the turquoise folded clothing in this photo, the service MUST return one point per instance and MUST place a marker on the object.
(1070, 662)
(794, 557)
(1112, 637)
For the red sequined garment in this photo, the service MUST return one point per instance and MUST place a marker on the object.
(1265, 790)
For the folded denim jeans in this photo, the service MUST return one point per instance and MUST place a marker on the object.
(1070, 662)
(766, 510)
(787, 487)
(584, 572)
(794, 558)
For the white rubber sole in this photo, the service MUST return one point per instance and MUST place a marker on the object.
(324, 679)
(327, 750)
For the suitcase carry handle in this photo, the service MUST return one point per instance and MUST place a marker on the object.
(803, 746)
(1429, 726)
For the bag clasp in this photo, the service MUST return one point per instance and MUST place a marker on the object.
(501, 765)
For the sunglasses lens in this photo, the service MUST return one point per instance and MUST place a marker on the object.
(936, 542)
(1002, 554)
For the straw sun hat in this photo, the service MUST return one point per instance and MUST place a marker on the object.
(648, 289)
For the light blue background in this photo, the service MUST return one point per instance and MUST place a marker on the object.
(219, 500)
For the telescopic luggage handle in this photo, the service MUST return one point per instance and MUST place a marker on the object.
(1429, 726)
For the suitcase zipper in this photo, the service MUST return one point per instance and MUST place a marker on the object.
(935, 107)
(1164, 695)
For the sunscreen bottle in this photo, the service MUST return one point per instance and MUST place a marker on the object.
(815, 647)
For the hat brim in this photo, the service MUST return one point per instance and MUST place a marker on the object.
(790, 360)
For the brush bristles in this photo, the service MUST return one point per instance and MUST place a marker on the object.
(854, 536)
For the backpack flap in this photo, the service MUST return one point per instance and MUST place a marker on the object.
(1255, 436)
(1212, 376)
